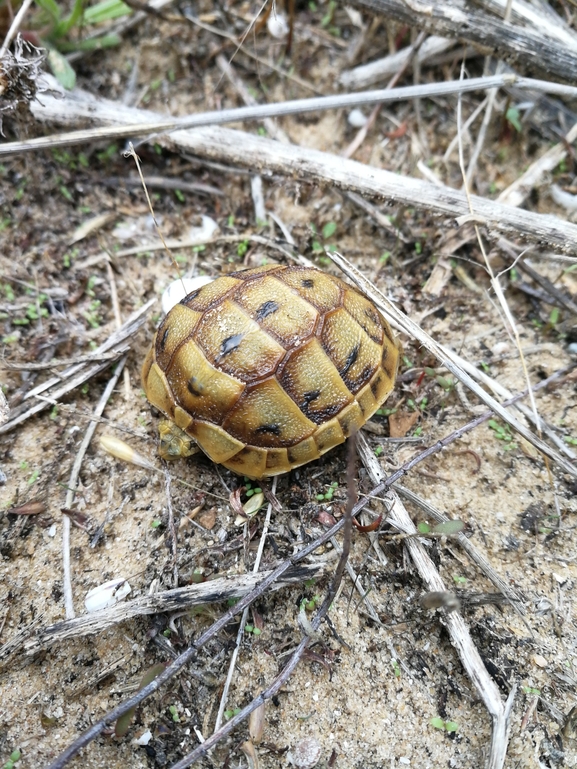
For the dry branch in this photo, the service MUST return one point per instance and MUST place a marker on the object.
(530, 50)
(264, 156)
(57, 386)
(214, 591)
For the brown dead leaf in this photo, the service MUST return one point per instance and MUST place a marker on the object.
(207, 518)
(401, 422)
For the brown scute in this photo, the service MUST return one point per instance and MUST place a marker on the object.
(322, 291)
(210, 295)
(269, 368)
(174, 332)
(294, 318)
(354, 354)
(237, 344)
(309, 372)
(261, 406)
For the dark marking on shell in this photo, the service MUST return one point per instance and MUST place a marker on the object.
(164, 337)
(353, 355)
(323, 415)
(271, 429)
(308, 398)
(375, 386)
(190, 297)
(307, 283)
(192, 388)
(230, 344)
(266, 309)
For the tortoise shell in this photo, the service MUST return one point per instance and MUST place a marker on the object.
(268, 368)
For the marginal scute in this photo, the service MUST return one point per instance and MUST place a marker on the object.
(218, 444)
(269, 368)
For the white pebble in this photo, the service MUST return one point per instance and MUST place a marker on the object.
(277, 26)
(144, 738)
(357, 118)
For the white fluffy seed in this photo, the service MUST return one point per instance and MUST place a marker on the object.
(277, 26)
(357, 118)
(106, 595)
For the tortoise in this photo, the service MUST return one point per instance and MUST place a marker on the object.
(268, 368)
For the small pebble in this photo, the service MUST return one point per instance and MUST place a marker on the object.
(277, 26)
(144, 738)
(306, 754)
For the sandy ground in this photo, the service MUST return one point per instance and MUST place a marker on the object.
(369, 697)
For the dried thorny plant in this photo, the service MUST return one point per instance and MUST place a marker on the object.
(20, 71)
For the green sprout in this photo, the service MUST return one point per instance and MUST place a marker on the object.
(309, 604)
(242, 248)
(15, 756)
(328, 495)
(231, 713)
(248, 628)
(396, 668)
(503, 433)
(249, 490)
(174, 714)
(446, 726)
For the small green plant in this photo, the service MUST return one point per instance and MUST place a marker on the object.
(570, 440)
(155, 524)
(378, 451)
(250, 490)
(512, 116)
(173, 710)
(384, 257)
(15, 756)
(503, 433)
(531, 691)
(309, 604)
(446, 726)
(242, 248)
(319, 244)
(231, 713)
(445, 529)
(328, 495)
(459, 580)
(252, 629)
(396, 668)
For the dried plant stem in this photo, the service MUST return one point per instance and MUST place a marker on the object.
(67, 575)
(454, 622)
(15, 26)
(259, 112)
(449, 359)
(240, 633)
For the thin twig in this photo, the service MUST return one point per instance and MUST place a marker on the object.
(243, 619)
(15, 26)
(67, 575)
(280, 109)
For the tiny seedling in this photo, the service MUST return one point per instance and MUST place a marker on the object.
(446, 726)
(459, 580)
(231, 713)
(173, 710)
(328, 495)
(503, 433)
(396, 668)
(309, 604)
(445, 529)
(250, 490)
(15, 756)
(252, 629)
(531, 691)
(242, 248)
(570, 440)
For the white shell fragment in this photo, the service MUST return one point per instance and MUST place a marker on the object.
(306, 754)
(178, 289)
(106, 595)
(357, 118)
(144, 738)
(205, 232)
(277, 25)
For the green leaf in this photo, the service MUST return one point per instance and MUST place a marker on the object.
(329, 229)
(451, 726)
(437, 723)
(512, 117)
(105, 11)
(73, 19)
(449, 528)
(51, 7)
(61, 69)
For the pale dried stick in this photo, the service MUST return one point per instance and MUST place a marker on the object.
(454, 622)
(278, 109)
(15, 26)
(466, 125)
(474, 554)
(67, 575)
(495, 279)
(243, 619)
(118, 320)
(314, 167)
(368, 74)
(449, 359)
(517, 192)
(78, 374)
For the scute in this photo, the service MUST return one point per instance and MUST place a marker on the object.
(271, 367)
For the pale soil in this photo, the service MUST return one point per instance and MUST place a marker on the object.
(369, 711)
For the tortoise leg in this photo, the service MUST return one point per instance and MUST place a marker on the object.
(174, 442)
